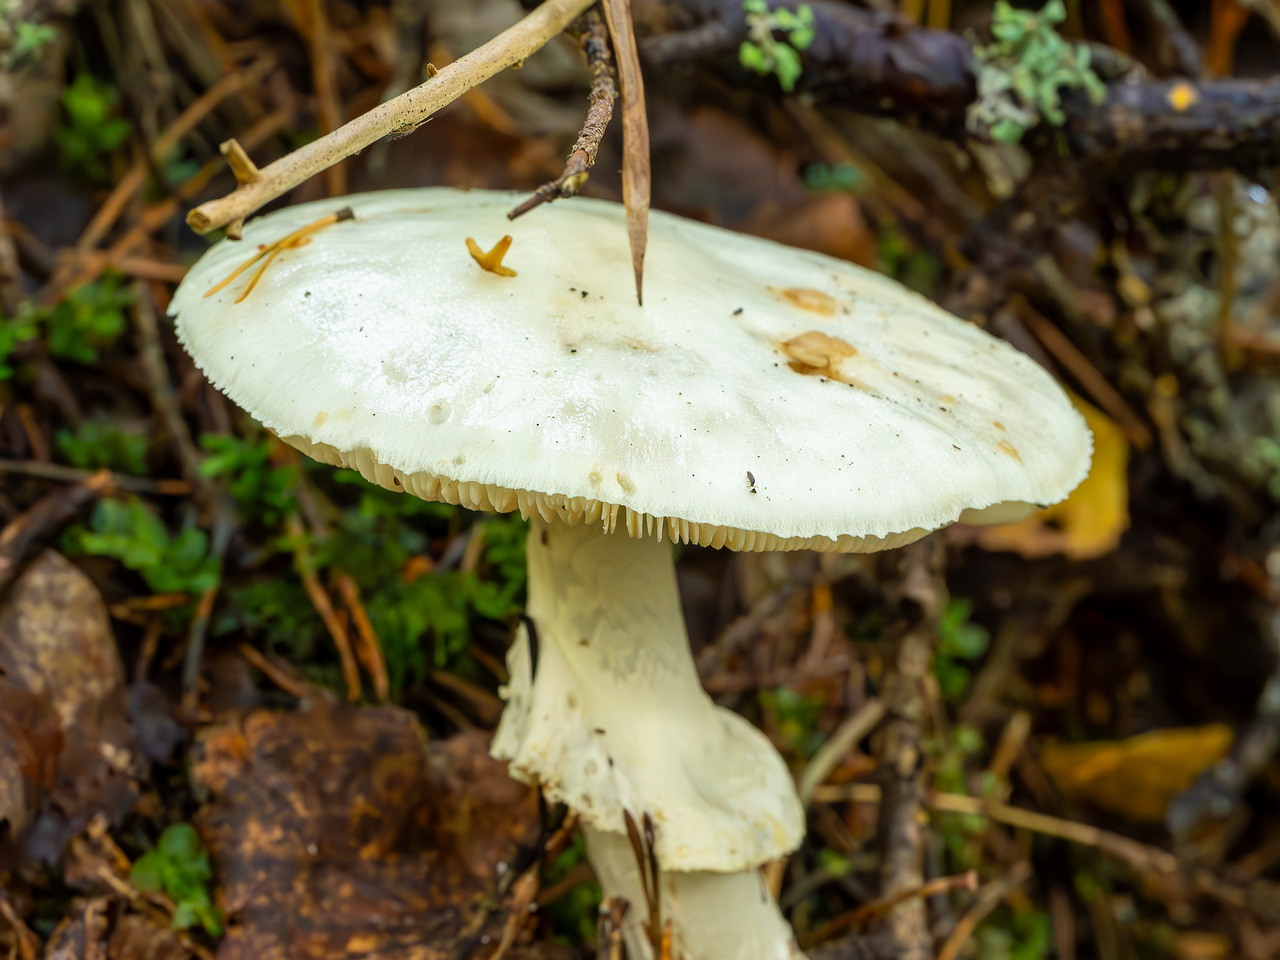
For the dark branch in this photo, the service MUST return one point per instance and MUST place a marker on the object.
(874, 63)
(593, 37)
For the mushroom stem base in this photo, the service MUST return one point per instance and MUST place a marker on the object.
(716, 916)
(616, 718)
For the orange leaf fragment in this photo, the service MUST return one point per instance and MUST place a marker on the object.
(492, 261)
(1136, 778)
(1090, 522)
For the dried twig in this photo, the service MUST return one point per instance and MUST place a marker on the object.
(305, 565)
(22, 538)
(988, 899)
(902, 754)
(1095, 384)
(869, 911)
(321, 53)
(10, 275)
(64, 474)
(368, 650)
(281, 675)
(146, 328)
(402, 115)
(635, 135)
(594, 40)
(837, 746)
(1139, 856)
(27, 943)
(224, 523)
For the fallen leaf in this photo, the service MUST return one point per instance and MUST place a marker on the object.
(1201, 945)
(339, 832)
(636, 173)
(1137, 777)
(62, 713)
(1090, 522)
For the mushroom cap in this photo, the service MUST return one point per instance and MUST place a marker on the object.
(763, 397)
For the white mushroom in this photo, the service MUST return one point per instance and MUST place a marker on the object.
(763, 398)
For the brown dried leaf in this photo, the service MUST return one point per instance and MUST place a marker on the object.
(338, 833)
(636, 174)
(62, 713)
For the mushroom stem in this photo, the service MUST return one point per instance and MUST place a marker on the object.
(717, 916)
(608, 715)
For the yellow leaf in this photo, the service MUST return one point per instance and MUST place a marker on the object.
(1090, 522)
(1136, 778)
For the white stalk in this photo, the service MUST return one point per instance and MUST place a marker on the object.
(616, 719)
(715, 916)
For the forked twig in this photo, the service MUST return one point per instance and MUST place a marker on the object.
(593, 37)
(399, 115)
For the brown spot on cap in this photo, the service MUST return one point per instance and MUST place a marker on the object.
(1008, 449)
(998, 425)
(626, 483)
(321, 417)
(815, 353)
(814, 300)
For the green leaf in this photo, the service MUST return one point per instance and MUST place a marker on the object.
(753, 58)
(178, 867)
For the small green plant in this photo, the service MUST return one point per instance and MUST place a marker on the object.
(840, 178)
(575, 914)
(103, 444)
(93, 130)
(763, 52)
(130, 532)
(796, 718)
(961, 832)
(958, 639)
(12, 333)
(89, 319)
(1015, 935)
(21, 40)
(267, 491)
(1021, 74)
(179, 868)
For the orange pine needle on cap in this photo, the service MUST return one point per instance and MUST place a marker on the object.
(298, 238)
(492, 261)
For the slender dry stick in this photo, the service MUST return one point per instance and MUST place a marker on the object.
(401, 115)
(306, 568)
(836, 748)
(989, 898)
(322, 78)
(10, 274)
(146, 328)
(594, 40)
(1139, 856)
(635, 135)
(859, 916)
(369, 650)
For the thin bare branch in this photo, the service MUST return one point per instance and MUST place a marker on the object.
(402, 115)
(594, 40)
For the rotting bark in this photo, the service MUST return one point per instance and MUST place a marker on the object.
(902, 753)
(878, 64)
